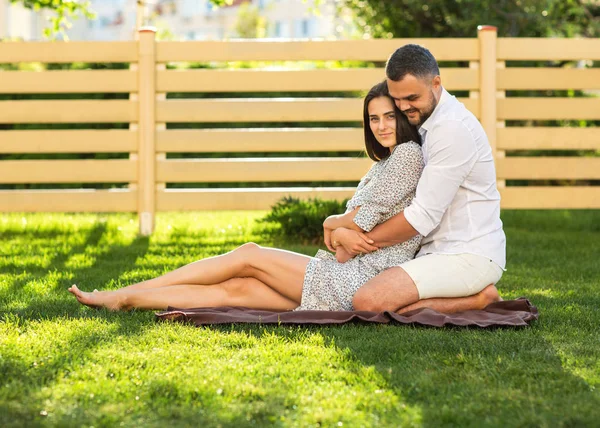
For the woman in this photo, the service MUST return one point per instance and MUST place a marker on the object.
(279, 280)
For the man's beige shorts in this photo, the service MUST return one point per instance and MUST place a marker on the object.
(451, 275)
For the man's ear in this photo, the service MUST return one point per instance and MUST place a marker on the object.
(436, 82)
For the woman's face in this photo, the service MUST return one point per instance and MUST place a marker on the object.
(382, 120)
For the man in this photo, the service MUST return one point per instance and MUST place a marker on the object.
(456, 207)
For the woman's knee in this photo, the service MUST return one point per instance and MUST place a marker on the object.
(248, 247)
(247, 254)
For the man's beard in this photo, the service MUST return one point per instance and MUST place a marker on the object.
(424, 115)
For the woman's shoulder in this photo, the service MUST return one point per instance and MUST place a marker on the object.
(410, 148)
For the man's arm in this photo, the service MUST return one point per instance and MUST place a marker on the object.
(393, 231)
(452, 154)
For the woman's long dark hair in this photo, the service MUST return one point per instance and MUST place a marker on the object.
(405, 132)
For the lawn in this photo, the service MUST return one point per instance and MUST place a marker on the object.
(62, 364)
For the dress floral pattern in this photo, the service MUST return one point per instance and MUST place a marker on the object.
(383, 192)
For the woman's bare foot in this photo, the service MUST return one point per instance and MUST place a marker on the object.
(489, 295)
(98, 299)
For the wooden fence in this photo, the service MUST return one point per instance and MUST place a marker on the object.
(151, 116)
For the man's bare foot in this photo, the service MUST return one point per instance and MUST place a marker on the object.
(488, 295)
(98, 299)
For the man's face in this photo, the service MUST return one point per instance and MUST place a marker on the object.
(415, 97)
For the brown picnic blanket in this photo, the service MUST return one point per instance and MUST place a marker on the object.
(508, 313)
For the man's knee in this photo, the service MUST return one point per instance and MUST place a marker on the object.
(366, 300)
(388, 291)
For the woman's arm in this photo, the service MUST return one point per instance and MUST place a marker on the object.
(342, 220)
(394, 182)
(397, 180)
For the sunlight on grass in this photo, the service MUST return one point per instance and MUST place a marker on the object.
(62, 364)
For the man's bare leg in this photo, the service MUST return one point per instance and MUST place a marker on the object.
(457, 304)
(393, 290)
(248, 292)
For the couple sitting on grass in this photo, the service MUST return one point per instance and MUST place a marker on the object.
(431, 192)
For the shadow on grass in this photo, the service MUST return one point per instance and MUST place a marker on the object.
(28, 377)
(52, 303)
(457, 377)
(109, 263)
(460, 376)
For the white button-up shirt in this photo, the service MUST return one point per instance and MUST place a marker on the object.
(457, 205)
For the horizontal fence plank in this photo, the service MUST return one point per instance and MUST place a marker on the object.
(67, 82)
(62, 52)
(548, 49)
(548, 78)
(548, 138)
(260, 140)
(68, 111)
(68, 171)
(77, 200)
(268, 110)
(548, 168)
(548, 108)
(241, 199)
(294, 80)
(260, 110)
(71, 141)
(261, 170)
(450, 49)
(540, 197)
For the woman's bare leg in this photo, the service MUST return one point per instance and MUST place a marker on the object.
(214, 270)
(248, 292)
(281, 270)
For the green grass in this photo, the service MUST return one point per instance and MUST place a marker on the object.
(62, 364)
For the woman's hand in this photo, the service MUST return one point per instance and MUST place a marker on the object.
(342, 255)
(329, 225)
(352, 241)
(338, 221)
(327, 239)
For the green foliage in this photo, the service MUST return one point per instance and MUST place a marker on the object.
(219, 3)
(302, 220)
(250, 24)
(63, 9)
(460, 18)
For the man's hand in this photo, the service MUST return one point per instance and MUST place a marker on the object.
(352, 241)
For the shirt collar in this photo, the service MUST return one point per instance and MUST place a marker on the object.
(426, 126)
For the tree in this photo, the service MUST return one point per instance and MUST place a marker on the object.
(459, 18)
(63, 9)
(250, 24)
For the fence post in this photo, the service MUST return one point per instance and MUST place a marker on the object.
(487, 36)
(146, 130)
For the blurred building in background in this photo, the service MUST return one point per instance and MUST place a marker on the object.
(188, 20)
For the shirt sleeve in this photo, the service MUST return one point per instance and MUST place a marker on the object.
(452, 153)
(352, 202)
(396, 180)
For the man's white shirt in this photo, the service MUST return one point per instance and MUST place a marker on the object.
(457, 204)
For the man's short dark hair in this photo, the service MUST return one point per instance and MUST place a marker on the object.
(411, 59)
